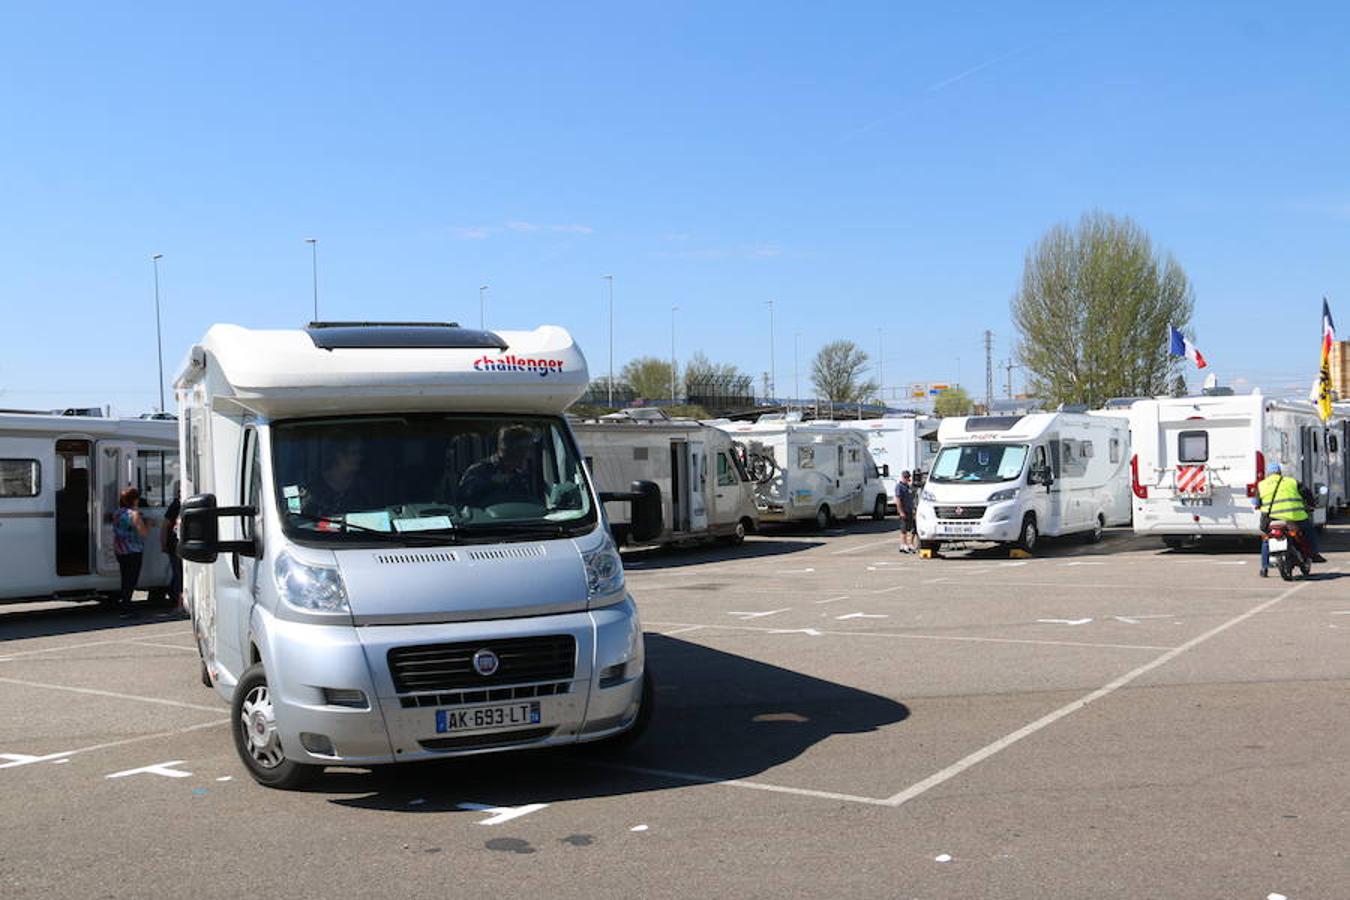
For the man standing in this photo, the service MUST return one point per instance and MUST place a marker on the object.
(904, 505)
(1279, 496)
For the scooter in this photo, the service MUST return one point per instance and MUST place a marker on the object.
(1287, 550)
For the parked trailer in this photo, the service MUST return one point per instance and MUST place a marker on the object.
(394, 552)
(1197, 461)
(810, 471)
(706, 492)
(59, 481)
(899, 444)
(1014, 479)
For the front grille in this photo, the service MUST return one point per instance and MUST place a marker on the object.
(487, 695)
(430, 668)
(960, 512)
(492, 739)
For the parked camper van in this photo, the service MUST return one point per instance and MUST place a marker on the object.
(706, 492)
(394, 550)
(59, 481)
(1014, 479)
(809, 472)
(899, 443)
(1197, 461)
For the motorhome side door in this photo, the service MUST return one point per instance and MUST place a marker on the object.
(727, 492)
(1049, 503)
(236, 575)
(698, 486)
(113, 471)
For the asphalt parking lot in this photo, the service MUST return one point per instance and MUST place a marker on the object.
(834, 718)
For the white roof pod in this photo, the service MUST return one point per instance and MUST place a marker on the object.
(372, 367)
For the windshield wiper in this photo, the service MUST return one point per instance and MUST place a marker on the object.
(547, 529)
(422, 538)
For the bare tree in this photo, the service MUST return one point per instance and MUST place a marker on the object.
(701, 369)
(837, 373)
(649, 376)
(1093, 311)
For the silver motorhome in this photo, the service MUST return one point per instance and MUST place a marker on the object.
(706, 492)
(59, 481)
(394, 550)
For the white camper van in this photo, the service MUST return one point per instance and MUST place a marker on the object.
(59, 481)
(900, 443)
(706, 492)
(1197, 461)
(394, 550)
(1014, 479)
(809, 472)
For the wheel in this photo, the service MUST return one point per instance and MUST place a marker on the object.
(1173, 543)
(1286, 568)
(1098, 530)
(935, 546)
(823, 517)
(646, 706)
(254, 728)
(1305, 566)
(879, 509)
(737, 537)
(1027, 539)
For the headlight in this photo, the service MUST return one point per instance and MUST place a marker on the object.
(604, 572)
(310, 588)
(927, 495)
(1000, 496)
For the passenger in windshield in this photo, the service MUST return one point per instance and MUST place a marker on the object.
(505, 476)
(340, 487)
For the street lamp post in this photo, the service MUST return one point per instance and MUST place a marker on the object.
(672, 353)
(314, 265)
(773, 384)
(159, 340)
(482, 288)
(881, 368)
(796, 383)
(610, 279)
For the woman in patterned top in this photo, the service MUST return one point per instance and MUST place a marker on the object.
(129, 531)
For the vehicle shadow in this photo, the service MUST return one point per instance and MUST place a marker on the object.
(718, 716)
(52, 618)
(754, 547)
(1114, 540)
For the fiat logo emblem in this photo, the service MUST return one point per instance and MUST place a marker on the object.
(485, 662)
(959, 510)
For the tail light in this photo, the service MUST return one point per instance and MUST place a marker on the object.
(1140, 491)
(1260, 473)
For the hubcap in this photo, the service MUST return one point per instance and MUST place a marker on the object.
(1030, 532)
(260, 728)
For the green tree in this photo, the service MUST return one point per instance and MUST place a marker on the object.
(837, 373)
(650, 377)
(954, 401)
(1093, 310)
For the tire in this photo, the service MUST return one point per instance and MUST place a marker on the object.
(1173, 543)
(935, 546)
(1029, 535)
(1286, 568)
(737, 537)
(823, 518)
(646, 707)
(1098, 530)
(1305, 566)
(879, 509)
(253, 727)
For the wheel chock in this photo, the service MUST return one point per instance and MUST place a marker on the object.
(925, 553)
(1018, 553)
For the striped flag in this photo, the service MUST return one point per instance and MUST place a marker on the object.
(1324, 377)
(1183, 347)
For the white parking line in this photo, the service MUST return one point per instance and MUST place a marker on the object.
(90, 644)
(924, 637)
(97, 693)
(165, 646)
(685, 630)
(892, 540)
(985, 585)
(736, 782)
(124, 741)
(1003, 743)
(830, 599)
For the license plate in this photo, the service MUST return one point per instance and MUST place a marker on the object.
(1197, 501)
(956, 530)
(1278, 545)
(472, 718)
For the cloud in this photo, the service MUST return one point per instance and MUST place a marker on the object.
(740, 251)
(516, 226)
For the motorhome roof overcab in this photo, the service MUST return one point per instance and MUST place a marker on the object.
(1197, 461)
(60, 477)
(1013, 479)
(394, 551)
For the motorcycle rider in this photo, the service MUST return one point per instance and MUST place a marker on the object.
(1279, 496)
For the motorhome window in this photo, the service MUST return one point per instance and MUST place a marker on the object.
(1333, 445)
(1115, 450)
(726, 475)
(806, 457)
(20, 478)
(639, 454)
(1193, 446)
(853, 454)
(982, 463)
(250, 491)
(1073, 457)
(463, 477)
(839, 460)
(156, 474)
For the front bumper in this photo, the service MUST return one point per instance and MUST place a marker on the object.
(1000, 523)
(306, 659)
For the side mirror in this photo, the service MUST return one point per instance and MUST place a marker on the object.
(199, 522)
(885, 470)
(646, 521)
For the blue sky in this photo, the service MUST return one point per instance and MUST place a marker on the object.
(878, 170)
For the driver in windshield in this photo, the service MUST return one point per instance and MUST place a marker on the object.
(505, 475)
(339, 489)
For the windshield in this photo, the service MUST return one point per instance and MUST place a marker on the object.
(980, 463)
(420, 478)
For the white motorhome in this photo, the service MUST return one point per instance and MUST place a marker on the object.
(808, 471)
(901, 444)
(59, 481)
(706, 492)
(1197, 461)
(394, 550)
(1014, 479)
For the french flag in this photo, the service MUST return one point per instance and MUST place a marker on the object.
(1182, 347)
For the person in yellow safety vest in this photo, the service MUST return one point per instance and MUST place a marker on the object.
(1278, 496)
